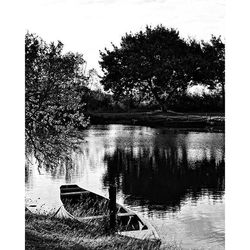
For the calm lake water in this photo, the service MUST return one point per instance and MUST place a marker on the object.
(175, 179)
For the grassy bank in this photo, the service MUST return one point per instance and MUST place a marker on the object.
(191, 121)
(44, 232)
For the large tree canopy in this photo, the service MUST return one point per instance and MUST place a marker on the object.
(214, 71)
(53, 100)
(156, 63)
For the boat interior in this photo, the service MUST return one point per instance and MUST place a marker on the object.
(84, 205)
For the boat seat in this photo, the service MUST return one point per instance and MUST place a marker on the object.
(125, 214)
(69, 186)
(75, 193)
(103, 216)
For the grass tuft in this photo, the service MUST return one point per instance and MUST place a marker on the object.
(46, 232)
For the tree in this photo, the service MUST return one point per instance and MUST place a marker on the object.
(214, 70)
(156, 63)
(54, 103)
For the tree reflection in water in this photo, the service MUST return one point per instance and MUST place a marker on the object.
(155, 169)
(162, 178)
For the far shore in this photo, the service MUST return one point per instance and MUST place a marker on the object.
(204, 122)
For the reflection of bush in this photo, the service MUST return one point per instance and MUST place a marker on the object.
(164, 179)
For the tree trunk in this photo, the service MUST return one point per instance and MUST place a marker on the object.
(164, 108)
(161, 102)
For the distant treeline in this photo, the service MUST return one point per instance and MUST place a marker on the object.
(98, 101)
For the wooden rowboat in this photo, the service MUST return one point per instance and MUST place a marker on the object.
(91, 206)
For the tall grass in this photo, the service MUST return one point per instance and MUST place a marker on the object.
(87, 206)
(46, 232)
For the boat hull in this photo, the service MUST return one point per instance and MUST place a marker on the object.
(129, 223)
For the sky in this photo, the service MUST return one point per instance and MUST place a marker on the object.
(87, 26)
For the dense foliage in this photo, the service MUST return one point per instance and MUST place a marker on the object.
(152, 64)
(157, 66)
(214, 73)
(212, 102)
(97, 101)
(54, 101)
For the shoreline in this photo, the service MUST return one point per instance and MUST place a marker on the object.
(44, 232)
(197, 122)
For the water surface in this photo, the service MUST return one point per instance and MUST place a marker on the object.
(175, 179)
